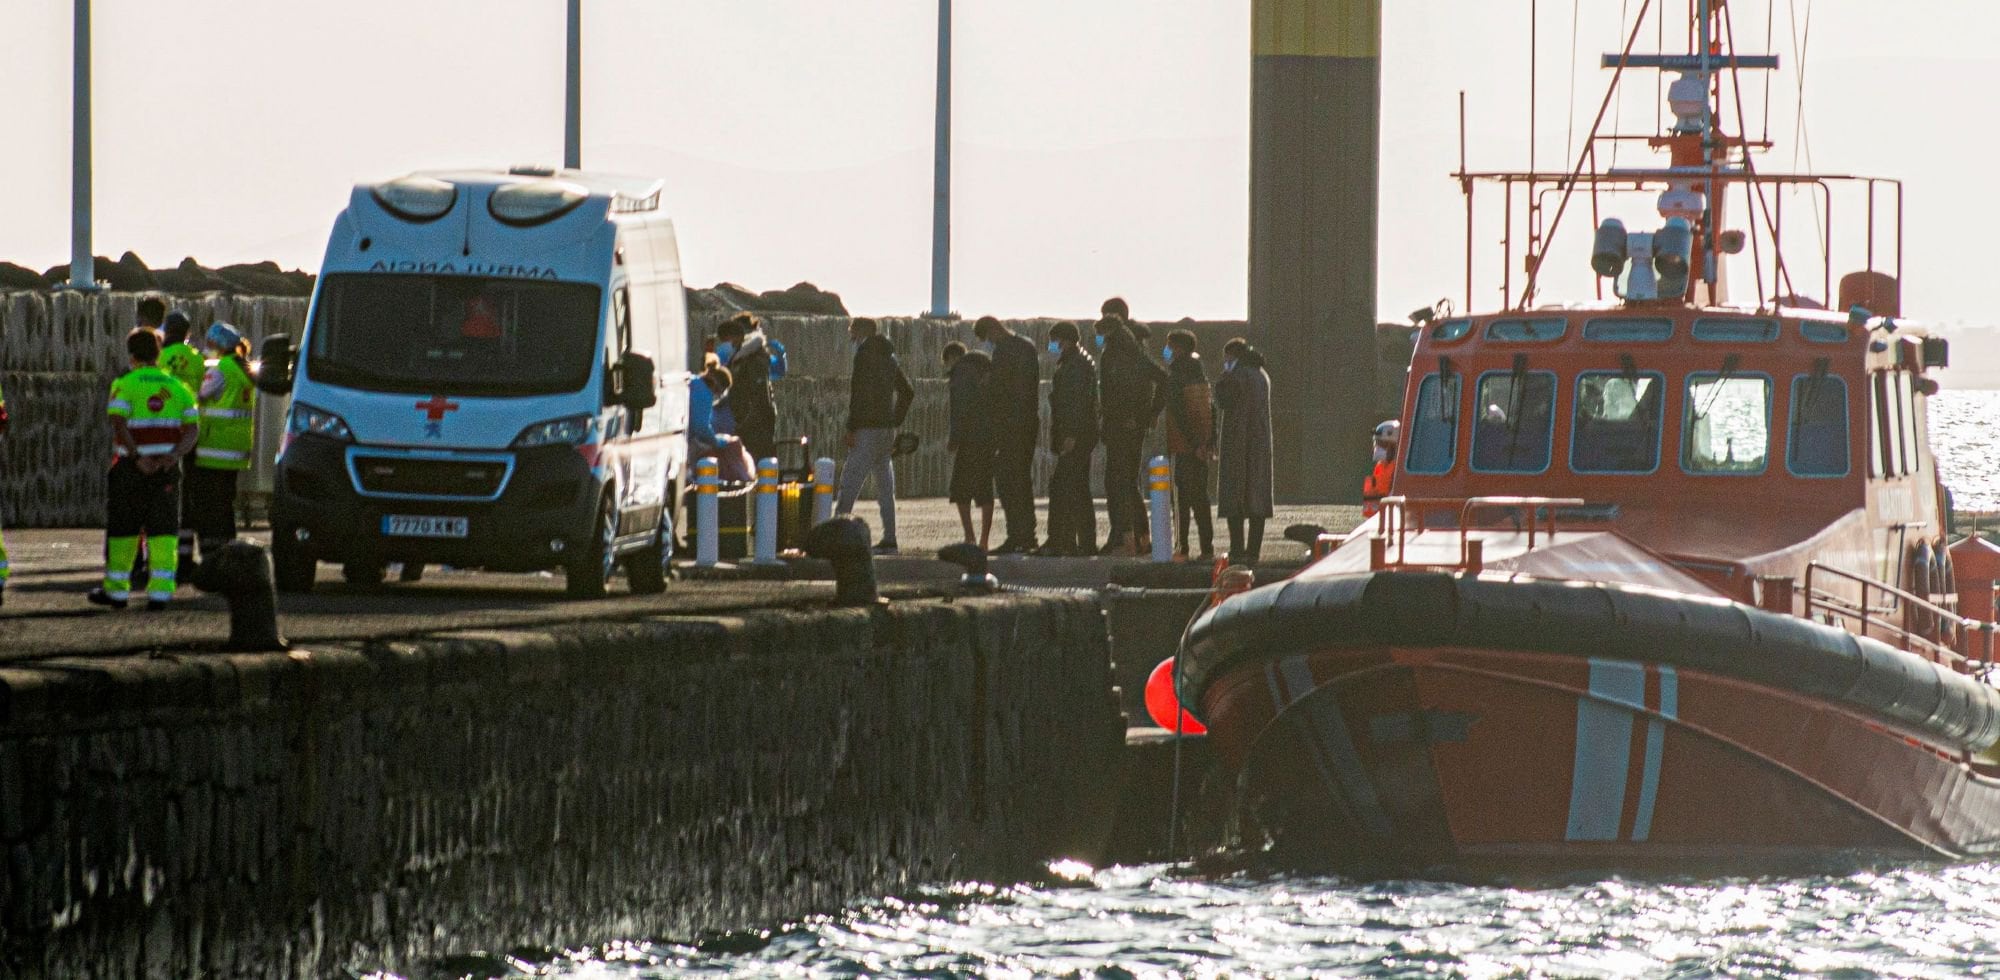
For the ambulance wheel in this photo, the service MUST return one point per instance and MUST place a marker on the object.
(363, 574)
(589, 565)
(647, 569)
(292, 566)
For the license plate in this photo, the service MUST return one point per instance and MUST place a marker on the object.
(405, 526)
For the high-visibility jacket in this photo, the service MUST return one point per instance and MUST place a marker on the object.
(184, 363)
(1376, 487)
(228, 418)
(155, 406)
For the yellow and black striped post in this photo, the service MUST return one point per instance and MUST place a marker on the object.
(1315, 133)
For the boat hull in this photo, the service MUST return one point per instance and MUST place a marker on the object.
(1387, 758)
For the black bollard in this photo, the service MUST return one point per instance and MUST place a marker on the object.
(844, 542)
(241, 573)
(971, 557)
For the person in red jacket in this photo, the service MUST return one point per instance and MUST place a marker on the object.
(1387, 436)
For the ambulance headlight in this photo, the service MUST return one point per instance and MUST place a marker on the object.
(573, 431)
(307, 420)
(417, 198)
(535, 201)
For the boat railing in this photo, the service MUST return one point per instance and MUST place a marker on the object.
(1402, 516)
(1911, 621)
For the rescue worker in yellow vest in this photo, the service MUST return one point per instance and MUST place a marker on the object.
(153, 426)
(1388, 436)
(180, 359)
(3, 534)
(228, 436)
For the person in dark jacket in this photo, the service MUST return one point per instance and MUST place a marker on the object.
(742, 348)
(971, 440)
(879, 397)
(1132, 389)
(1243, 393)
(1190, 438)
(1073, 436)
(1013, 397)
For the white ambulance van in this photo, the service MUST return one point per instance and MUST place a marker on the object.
(492, 375)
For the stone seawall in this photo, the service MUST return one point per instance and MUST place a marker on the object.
(371, 806)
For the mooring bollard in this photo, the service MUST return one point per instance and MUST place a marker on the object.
(822, 490)
(1163, 505)
(764, 551)
(241, 573)
(843, 542)
(707, 513)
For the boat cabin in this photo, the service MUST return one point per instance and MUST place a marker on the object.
(1733, 442)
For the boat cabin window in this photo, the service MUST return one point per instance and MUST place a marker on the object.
(1817, 442)
(1616, 426)
(1450, 330)
(1881, 456)
(1912, 445)
(1541, 329)
(1515, 423)
(1735, 330)
(1821, 332)
(1726, 424)
(1895, 449)
(1433, 439)
(1629, 329)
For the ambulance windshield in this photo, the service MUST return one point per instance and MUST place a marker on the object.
(453, 335)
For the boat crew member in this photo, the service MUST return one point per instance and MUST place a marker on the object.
(1373, 489)
(228, 437)
(153, 426)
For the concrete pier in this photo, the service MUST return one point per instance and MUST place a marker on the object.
(372, 803)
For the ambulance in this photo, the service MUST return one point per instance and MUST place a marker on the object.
(492, 375)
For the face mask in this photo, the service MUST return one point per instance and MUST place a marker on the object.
(1055, 347)
(1381, 455)
(854, 345)
(1167, 354)
(986, 345)
(1229, 365)
(1099, 340)
(724, 350)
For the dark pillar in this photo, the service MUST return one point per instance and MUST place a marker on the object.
(1314, 135)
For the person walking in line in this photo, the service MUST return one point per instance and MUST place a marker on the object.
(754, 407)
(154, 424)
(1073, 436)
(1243, 394)
(228, 437)
(1388, 436)
(1014, 403)
(152, 313)
(878, 400)
(971, 441)
(1190, 439)
(1132, 389)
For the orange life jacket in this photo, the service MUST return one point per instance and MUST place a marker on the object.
(1376, 487)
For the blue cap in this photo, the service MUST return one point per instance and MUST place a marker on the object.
(224, 336)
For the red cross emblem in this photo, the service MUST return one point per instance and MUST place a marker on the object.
(435, 408)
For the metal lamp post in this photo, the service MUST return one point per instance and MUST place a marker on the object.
(941, 176)
(573, 97)
(82, 267)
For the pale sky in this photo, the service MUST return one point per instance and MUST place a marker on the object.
(1101, 145)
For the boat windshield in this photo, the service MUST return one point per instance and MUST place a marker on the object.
(1617, 424)
(1433, 443)
(453, 335)
(1818, 442)
(1726, 424)
(1516, 422)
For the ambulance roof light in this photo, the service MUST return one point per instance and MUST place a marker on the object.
(416, 199)
(535, 202)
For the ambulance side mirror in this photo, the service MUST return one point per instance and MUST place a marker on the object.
(637, 392)
(274, 374)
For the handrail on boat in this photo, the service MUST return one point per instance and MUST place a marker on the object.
(1923, 628)
(1394, 521)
